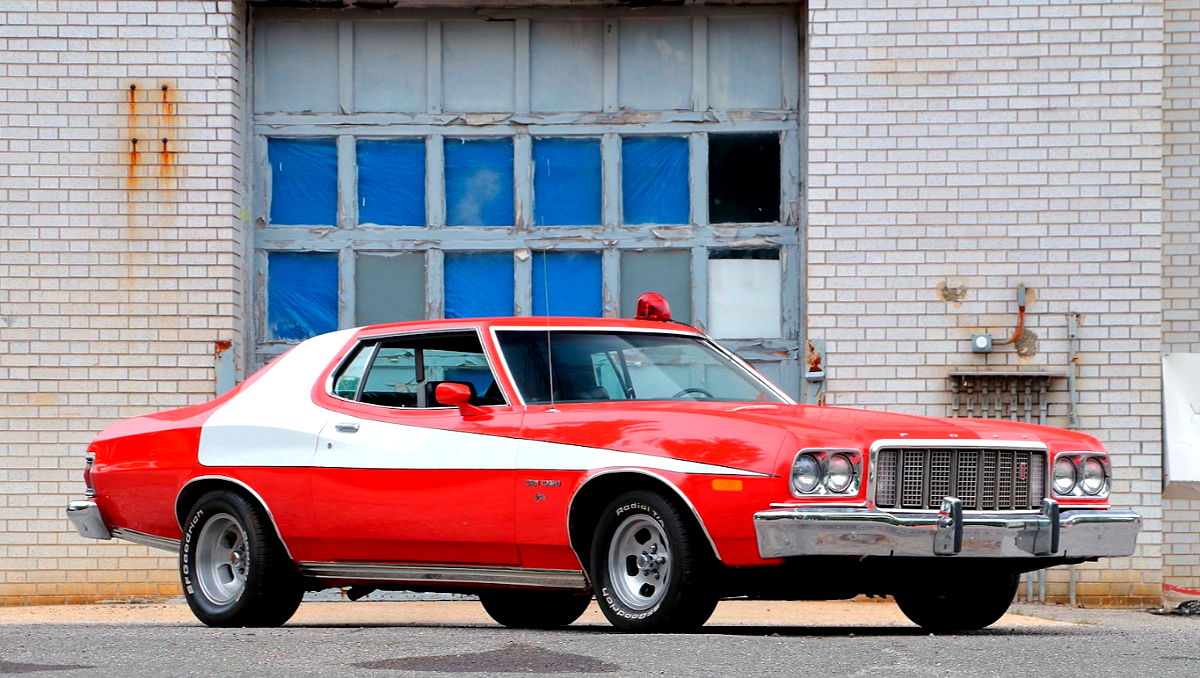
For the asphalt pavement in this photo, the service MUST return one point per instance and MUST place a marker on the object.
(429, 639)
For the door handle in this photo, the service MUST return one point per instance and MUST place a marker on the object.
(347, 428)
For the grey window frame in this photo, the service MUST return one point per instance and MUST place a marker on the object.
(610, 238)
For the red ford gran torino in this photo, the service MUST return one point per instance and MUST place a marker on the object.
(539, 462)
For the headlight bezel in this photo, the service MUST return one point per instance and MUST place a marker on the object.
(1079, 461)
(823, 457)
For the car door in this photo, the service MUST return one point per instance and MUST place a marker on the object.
(399, 477)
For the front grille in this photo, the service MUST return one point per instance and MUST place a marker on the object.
(983, 479)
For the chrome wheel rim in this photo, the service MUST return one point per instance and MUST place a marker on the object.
(222, 559)
(639, 562)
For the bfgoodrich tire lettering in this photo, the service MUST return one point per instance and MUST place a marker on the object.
(233, 569)
(959, 604)
(650, 566)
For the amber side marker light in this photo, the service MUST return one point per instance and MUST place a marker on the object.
(653, 306)
(726, 485)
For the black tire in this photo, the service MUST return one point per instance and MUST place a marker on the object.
(240, 575)
(534, 609)
(959, 605)
(681, 600)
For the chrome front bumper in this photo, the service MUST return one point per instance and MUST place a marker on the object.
(85, 515)
(816, 531)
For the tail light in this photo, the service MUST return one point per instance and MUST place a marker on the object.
(90, 491)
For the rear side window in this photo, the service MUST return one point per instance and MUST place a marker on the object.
(348, 380)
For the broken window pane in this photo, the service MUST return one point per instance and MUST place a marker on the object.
(668, 272)
(654, 180)
(304, 189)
(744, 294)
(302, 294)
(743, 178)
(566, 182)
(389, 288)
(479, 182)
(575, 288)
(391, 182)
(479, 284)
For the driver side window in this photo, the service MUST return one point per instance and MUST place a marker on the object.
(404, 372)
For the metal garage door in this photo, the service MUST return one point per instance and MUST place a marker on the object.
(424, 164)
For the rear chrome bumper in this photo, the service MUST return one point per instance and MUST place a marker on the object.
(816, 531)
(85, 515)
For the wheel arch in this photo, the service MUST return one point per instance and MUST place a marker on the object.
(198, 486)
(597, 490)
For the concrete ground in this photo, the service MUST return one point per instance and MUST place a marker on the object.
(383, 639)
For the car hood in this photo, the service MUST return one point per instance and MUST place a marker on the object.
(763, 437)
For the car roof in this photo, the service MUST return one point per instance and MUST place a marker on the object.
(528, 321)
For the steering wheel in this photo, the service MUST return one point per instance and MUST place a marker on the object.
(694, 389)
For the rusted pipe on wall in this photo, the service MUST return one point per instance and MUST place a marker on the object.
(1020, 318)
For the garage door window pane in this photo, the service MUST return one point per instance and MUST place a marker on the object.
(479, 182)
(654, 180)
(566, 182)
(668, 272)
(744, 294)
(304, 187)
(479, 284)
(389, 288)
(743, 178)
(573, 281)
(391, 182)
(302, 294)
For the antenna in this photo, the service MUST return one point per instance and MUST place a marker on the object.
(546, 298)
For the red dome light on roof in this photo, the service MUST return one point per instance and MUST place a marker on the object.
(653, 306)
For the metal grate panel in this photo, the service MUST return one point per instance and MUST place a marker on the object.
(939, 476)
(885, 478)
(1004, 480)
(1037, 479)
(1021, 479)
(968, 478)
(985, 480)
(911, 494)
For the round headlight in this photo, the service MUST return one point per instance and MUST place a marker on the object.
(806, 474)
(1093, 476)
(839, 473)
(1064, 476)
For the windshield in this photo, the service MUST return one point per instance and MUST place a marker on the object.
(601, 366)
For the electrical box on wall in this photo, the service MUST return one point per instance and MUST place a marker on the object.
(981, 343)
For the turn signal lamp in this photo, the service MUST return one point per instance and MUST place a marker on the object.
(653, 306)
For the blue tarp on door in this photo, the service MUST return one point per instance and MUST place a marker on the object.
(478, 284)
(391, 182)
(654, 180)
(479, 182)
(304, 190)
(302, 294)
(566, 182)
(575, 284)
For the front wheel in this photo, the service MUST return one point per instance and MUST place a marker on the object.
(235, 571)
(650, 566)
(534, 609)
(959, 606)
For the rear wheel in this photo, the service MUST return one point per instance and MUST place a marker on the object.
(650, 566)
(235, 571)
(534, 609)
(959, 605)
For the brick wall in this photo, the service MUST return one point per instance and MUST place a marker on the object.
(120, 264)
(978, 146)
(1181, 252)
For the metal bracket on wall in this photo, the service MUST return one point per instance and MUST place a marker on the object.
(1072, 369)
(814, 375)
(226, 370)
